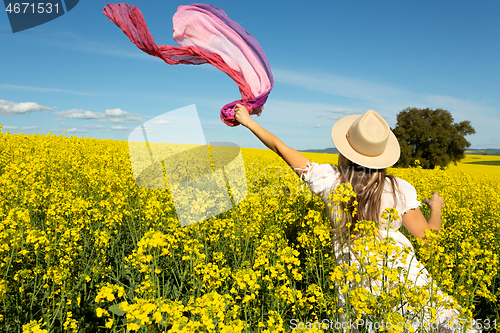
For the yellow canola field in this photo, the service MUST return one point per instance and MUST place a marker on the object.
(83, 248)
(475, 165)
(478, 165)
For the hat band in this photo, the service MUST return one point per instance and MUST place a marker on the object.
(347, 137)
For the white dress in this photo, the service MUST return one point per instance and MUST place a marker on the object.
(322, 179)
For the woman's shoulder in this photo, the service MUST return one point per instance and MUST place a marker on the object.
(321, 178)
(321, 171)
(406, 195)
(314, 169)
(325, 168)
(403, 185)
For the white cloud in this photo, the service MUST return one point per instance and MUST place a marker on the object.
(71, 41)
(291, 112)
(341, 111)
(341, 86)
(460, 108)
(75, 130)
(388, 100)
(8, 108)
(10, 127)
(79, 114)
(163, 122)
(148, 128)
(93, 126)
(115, 112)
(315, 126)
(116, 120)
(43, 90)
(120, 128)
(381, 97)
(29, 127)
(115, 116)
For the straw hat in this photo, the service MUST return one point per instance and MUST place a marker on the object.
(366, 140)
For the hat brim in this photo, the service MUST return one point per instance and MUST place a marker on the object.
(386, 159)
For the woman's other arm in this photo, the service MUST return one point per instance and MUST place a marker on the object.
(415, 221)
(292, 157)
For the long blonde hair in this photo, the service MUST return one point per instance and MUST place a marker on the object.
(368, 184)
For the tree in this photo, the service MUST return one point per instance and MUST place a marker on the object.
(431, 137)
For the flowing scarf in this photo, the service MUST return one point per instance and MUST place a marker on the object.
(206, 35)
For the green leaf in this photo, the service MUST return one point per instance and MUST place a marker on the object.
(115, 309)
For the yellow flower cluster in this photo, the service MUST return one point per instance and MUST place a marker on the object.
(34, 327)
(464, 256)
(83, 248)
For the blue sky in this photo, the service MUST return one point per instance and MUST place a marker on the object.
(79, 73)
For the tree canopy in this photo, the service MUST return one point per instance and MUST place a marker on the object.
(431, 137)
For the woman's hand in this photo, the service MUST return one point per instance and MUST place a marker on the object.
(415, 222)
(292, 157)
(435, 203)
(241, 115)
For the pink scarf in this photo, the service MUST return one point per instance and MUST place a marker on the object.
(206, 35)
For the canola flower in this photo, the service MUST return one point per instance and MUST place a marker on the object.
(84, 249)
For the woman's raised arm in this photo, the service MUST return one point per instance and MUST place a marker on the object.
(292, 157)
(414, 221)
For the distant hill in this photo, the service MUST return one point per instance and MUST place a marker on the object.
(493, 152)
(322, 151)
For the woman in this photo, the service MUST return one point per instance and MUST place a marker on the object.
(367, 146)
